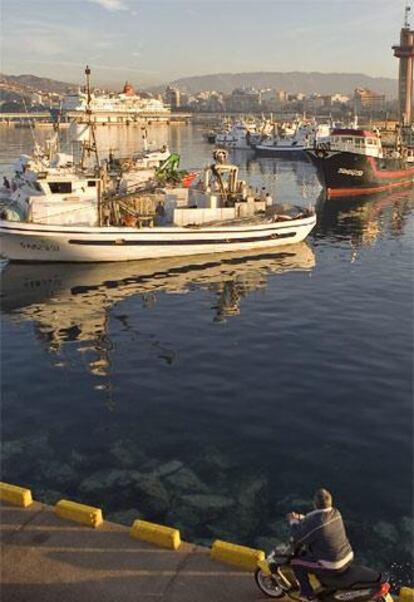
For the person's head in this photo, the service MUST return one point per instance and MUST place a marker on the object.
(322, 499)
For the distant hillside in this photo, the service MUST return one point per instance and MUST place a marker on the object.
(294, 82)
(31, 83)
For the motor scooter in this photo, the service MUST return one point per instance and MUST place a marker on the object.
(275, 578)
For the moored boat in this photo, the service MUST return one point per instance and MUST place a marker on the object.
(220, 214)
(283, 143)
(354, 163)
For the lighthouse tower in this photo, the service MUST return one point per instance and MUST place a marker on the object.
(405, 53)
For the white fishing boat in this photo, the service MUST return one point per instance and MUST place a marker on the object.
(220, 214)
(237, 137)
(305, 136)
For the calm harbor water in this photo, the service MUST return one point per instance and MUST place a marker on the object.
(217, 393)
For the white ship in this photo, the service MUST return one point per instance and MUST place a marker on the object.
(125, 107)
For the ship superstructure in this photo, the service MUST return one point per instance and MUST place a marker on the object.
(126, 107)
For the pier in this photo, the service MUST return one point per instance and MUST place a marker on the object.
(68, 552)
(46, 558)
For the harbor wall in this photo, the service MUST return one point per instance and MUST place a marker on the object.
(165, 537)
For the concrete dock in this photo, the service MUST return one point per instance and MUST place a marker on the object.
(47, 559)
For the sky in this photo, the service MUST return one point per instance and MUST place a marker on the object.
(156, 41)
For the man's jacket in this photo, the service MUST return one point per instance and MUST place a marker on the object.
(323, 533)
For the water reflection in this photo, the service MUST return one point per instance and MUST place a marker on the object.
(69, 303)
(362, 221)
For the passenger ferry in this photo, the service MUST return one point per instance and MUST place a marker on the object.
(125, 107)
(354, 163)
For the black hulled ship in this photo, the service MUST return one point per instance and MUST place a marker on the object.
(354, 163)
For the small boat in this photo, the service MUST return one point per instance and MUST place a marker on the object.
(237, 137)
(219, 214)
(282, 143)
(354, 163)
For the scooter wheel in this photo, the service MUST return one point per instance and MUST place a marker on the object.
(268, 585)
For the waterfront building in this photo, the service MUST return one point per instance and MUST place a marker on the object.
(172, 97)
(368, 102)
(405, 53)
(243, 100)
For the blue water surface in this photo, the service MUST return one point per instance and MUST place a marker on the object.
(217, 393)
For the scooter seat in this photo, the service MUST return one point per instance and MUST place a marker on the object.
(353, 576)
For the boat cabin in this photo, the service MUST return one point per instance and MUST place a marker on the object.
(360, 142)
(54, 198)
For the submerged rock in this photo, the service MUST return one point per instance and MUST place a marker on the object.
(207, 502)
(107, 479)
(254, 494)
(406, 526)
(58, 472)
(125, 517)
(386, 531)
(39, 447)
(184, 518)
(127, 455)
(212, 463)
(168, 468)
(11, 448)
(185, 481)
(151, 496)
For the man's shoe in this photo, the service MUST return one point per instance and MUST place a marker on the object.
(310, 598)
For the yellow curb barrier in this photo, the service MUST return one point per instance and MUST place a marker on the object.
(406, 594)
(19, 496)
(87, 515)
(166, 537)
(241, 556)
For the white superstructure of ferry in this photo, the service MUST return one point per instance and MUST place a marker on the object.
(125, 107)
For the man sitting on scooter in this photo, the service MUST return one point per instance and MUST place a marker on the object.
(321, 534)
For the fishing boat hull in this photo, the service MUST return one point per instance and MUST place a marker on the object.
(24, 242)
(346, 174)
(263, 150)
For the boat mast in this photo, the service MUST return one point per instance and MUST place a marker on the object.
(91, 145)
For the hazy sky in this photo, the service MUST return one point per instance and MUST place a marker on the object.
(155, 41)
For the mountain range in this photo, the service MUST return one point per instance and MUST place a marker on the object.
(293, 82)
